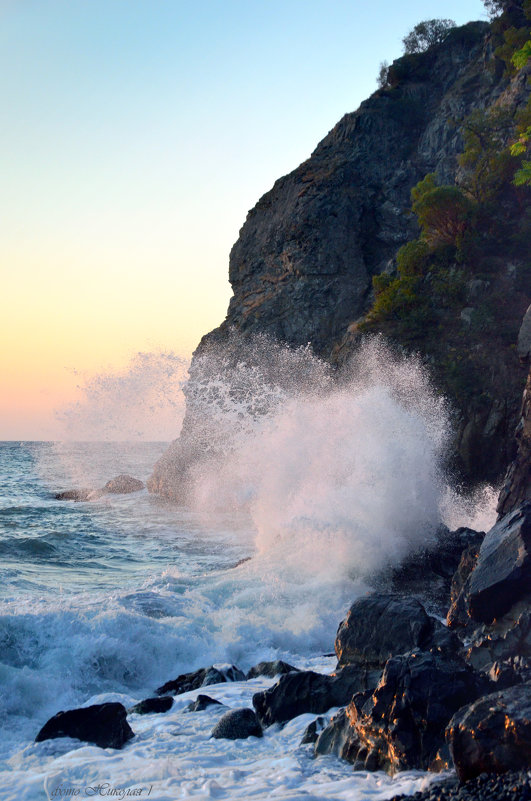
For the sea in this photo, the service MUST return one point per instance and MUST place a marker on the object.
(105, 600)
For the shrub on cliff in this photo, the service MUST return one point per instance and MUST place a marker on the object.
(426, 34)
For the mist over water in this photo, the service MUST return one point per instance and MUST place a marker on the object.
(142, 402)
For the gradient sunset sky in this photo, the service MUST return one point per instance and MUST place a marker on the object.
(135, 138)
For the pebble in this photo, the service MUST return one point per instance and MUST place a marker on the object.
(511, 786)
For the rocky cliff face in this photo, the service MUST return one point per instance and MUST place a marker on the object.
(302, 266)
(301, 270)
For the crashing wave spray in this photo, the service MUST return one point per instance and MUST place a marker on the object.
(341, 477)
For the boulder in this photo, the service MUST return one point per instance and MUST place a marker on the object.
(401, 725)
(502, 575)
(237, 724)
(104, 725)
(306, 691)
(338, 738)
(201, 678)
(74, 495)
(201, 703)
(379, 626)
(276, 668)
(493, 734)
(122, 484)
(153, 705)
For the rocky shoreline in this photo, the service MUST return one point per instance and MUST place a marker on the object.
(414, 692)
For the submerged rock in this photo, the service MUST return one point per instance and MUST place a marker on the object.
(379, 626)
(502, 575)
(201, 703)
(306, 691)
(153, 705)
(493, 734)
(237, 724)
(104, 725)
(201, 678)
(276, 668)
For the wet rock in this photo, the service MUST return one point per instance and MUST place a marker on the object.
(458, 616)
(123, 484)
(313, 730)
(104, 725)
(427, 574)
(201, 678)
(502, 575)
(201, 703)
(153, 705)
(339, 738)
(379, 626)
(74, 495)
(401, 726)
(523, 343)
(493, 734)
(236, 725)
(517, 483)
(508, 640)
(276, 668)
(306, 691)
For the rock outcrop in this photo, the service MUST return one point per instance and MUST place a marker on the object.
(201, 678)
(492, 735)
(517, 484)
(104, 725)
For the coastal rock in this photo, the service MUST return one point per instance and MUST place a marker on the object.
(511, 786)
(339, 738)
(523, 343)
(379, 626)
(517, 483)
(503, 571)
(428, 574)
(74, 495)
(153, 705)
(401, 726)
(306, 691)
(104, 725)
(201, 678)
(457, 614)
(123, 484)
(313, 730)
(493, 734)
(237, 724)
(276, 668)
(201, 703)
(505, 643)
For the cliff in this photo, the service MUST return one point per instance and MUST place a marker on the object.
(302, 268)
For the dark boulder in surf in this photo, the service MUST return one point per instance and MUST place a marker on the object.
(201, 678)
(201, 703)
(271, 669)
(153, 705)
(379, 626)
(306, 691)
(238, 724)
(493, 734)
(104, 725)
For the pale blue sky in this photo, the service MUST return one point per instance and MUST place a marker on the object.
(135, 136)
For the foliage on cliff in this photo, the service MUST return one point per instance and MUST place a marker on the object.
(460, 286)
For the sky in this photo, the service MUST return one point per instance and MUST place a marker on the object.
(135, 136)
